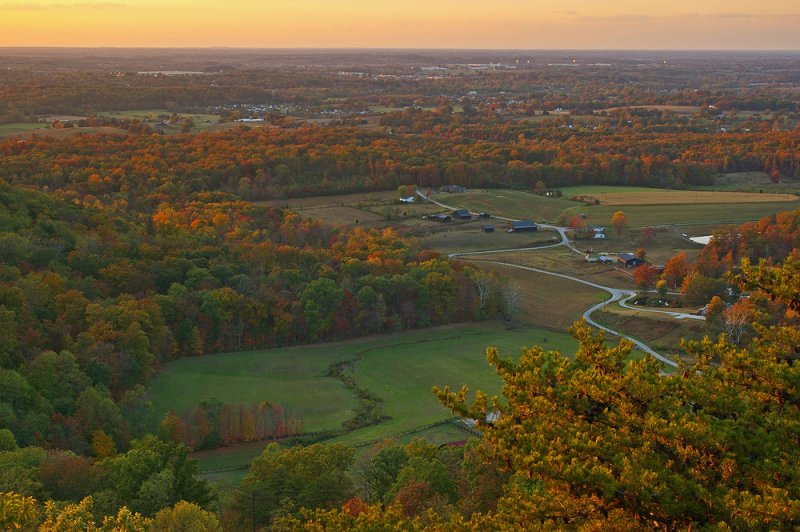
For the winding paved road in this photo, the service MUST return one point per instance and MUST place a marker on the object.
(617, 295)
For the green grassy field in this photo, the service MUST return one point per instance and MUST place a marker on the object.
(286, 376)
(715, 213)
(509, 203)
(15, 128)
(451, 238)
(401, 368)
(403, 373)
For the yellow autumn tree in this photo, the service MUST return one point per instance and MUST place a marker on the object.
(620, 221)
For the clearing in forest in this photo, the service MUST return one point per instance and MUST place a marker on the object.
(399, 368)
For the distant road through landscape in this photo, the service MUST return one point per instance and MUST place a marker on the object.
(622, 296)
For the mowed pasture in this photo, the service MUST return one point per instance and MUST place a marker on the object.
(449, 238)
(400, 368)
(403, 371)
(689, 197)
(515, 204)
(693, 213)
(286, 376)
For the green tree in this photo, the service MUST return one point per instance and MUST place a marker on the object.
(95, 409)
(320, 299)
(59, 378)
(153, 475)
(381, 473)
(429, 471)
(8, 336)
(371, 310)
(102, 444)
(303, 477)
(7, 440)
(186, 517)
(697, 289)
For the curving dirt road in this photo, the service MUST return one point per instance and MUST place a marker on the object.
(621, 296)
(616, 295)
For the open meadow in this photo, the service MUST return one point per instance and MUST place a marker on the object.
(699, 213)
(515, 204)
(400, 368)
(687, 197)
(470, 236)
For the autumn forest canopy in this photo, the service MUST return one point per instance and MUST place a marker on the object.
(144, 218)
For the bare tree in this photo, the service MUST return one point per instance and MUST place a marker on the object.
(737, 319)
(486, 284)
(511, 294)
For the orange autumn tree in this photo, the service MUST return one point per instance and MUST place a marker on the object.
(620, 221)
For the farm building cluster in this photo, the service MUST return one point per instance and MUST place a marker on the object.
(629, 260)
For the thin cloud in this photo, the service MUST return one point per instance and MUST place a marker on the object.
(729, 15)
(614, 18)
(29, 6)
(680, 16)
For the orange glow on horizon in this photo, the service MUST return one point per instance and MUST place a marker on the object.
(510, 24)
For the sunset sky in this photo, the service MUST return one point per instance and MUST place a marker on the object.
(517, 24)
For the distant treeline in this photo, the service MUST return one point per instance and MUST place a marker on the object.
(141, 172)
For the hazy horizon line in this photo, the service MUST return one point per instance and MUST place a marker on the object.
(394, 48)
